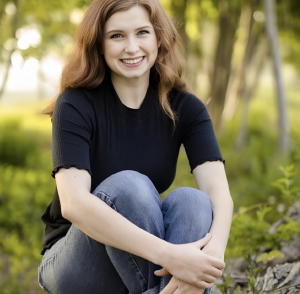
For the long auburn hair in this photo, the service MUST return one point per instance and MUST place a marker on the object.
(86, 66)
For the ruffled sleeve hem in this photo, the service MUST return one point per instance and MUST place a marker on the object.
(67, 166)
(204, 160)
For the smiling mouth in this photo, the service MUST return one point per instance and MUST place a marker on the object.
(132, 61)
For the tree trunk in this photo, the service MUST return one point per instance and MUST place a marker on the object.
(237, 78)
(251, 81)
(228, 22)
(7, 66)
(8, 61)
(237, 73)
(179, 7)
(283, 123)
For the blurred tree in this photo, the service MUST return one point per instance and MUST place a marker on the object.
(178, 8)
(51, 23)
(11, 8)
(251, 81)
(246, 43)
(229, 13)
(288, 22)
(272, 32)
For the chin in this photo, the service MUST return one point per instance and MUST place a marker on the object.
(133, 76)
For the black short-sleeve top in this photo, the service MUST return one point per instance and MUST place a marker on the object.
(95, 131)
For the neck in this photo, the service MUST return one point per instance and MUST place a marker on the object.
(131, 91)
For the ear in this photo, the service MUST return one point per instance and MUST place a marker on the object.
(159, 43)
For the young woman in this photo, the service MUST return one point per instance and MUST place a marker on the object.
(121, 116)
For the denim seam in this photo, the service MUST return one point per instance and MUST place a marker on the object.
(43, 287)
(59, 249)
(112, 204)
(138, 268)
(161, 283)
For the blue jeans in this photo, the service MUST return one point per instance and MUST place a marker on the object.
(79, 264)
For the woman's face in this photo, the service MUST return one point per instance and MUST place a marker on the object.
(129, 43)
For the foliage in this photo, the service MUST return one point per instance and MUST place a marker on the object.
(253, 272)
(249, 234)
(26, 188)
(17, 148)
(288, 193)
(268, 256)
(224, 287)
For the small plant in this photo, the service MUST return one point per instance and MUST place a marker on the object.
(268, 256)
(248, 233)
(224, 287)
(289, 193)
(253, 272)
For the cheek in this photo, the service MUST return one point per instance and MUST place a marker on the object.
(152, 47)
(112, 50)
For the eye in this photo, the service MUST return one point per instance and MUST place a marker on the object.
(113, 36)
(144, 31)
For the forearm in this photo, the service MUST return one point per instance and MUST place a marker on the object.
(102, 223)
(223, 209)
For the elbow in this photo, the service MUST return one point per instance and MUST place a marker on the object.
(67, 209)
(70, 207)
(65, 212)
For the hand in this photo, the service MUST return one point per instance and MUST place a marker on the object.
(176, 286)
(189, 264)
(212, 249)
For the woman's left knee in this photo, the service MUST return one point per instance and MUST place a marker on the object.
(189, 199)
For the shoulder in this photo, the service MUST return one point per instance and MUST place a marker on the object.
(187, 105)
(75, 97)
(75, 104)
(82, 99)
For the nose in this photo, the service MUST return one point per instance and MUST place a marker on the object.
(132, 46)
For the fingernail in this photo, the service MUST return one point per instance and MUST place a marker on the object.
(157, 271)
(208, 234)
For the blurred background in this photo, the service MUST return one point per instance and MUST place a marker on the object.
(243, 61)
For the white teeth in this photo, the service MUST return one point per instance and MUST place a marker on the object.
(132, 61)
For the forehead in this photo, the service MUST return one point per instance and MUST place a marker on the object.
(132, 18)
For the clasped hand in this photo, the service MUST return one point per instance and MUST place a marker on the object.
(193, 269)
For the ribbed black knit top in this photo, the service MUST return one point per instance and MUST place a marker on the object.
(95, 131)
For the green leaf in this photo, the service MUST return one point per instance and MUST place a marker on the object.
(265, 257)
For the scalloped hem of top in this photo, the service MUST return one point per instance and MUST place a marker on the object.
(207, 159)
(67, 166)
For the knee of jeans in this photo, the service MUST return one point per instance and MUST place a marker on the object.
(129, 188)
(190, 198)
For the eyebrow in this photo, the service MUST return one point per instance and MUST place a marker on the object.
(123, 31)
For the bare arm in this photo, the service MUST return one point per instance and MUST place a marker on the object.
(211, 179)
(86, 211)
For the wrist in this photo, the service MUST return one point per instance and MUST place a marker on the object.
(162, 254)
(214, 251)
(216, 244)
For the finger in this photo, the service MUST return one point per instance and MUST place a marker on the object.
(204, 285)
(215, 272)
(216, 262)
(162, 272)
(202, 242)
(182, 290)
(170, 288)
(209, 279)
